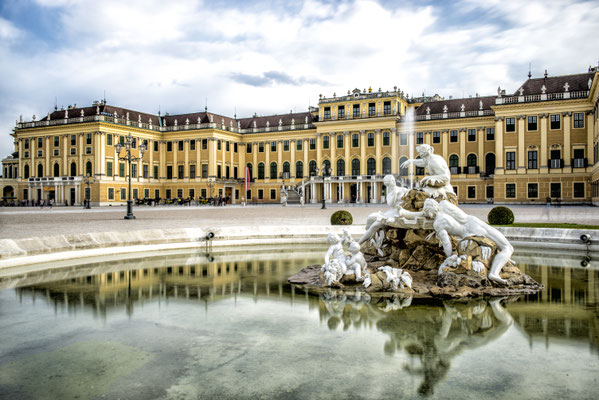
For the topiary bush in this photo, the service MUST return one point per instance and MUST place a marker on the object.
(341, 217)
(500, 216)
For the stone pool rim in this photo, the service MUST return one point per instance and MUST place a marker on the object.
(36, 250)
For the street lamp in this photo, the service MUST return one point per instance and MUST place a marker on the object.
(326, 171)
(88, 180)
(128, 157)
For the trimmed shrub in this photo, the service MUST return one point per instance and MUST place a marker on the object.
(341, 217)
(500, 216)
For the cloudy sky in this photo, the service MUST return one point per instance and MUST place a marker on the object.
(275, 56)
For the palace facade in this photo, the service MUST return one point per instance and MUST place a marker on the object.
(539, 142)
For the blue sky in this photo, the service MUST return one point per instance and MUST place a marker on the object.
(274, 56)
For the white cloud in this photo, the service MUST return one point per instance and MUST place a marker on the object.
(175, 54)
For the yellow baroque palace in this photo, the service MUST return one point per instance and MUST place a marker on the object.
(540, 142)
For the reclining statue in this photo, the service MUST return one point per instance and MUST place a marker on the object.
(437, 183)
(450, 220)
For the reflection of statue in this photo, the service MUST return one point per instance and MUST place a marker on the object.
(437, 183)
(450, 220)
(377, 220)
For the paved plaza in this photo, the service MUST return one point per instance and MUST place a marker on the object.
(23, 222)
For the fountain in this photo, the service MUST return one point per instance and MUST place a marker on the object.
(424, 245)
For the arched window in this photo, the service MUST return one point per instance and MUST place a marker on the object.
(340, 167)
(403, 171)
(73, 169)
(371, 166)
(454, 160)
(40, 170)
(299, 169)
(261, 171)
(386, 166)
(249, 167)
(286, 170)
(312, 167)
(327, 167)
(56, 169)
(26, 171)
(355, 167)
(471, 160)
(273, 170)
(88, 168)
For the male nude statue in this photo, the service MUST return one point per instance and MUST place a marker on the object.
(450, 220)
(377, 220)
(436, 166)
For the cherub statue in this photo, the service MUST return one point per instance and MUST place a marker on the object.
(335, 252)
(450, 220)
(355, 261)
(437, 183)
(377, 220)
(398, 277)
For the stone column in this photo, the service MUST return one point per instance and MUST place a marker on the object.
(80, 167)
(186, 159)
(312, 192)
(151, 167)
(499, 152)
(590, 129)
(427, 137)
(212, 157)
(232, 162)
(521, 147)
(318, 150)
(567, 152)
(47, 170)
(333, 146)
(65, 151)
(241, 170)
(267, 161)
(280, 156)
(543, 155)
(198, 158)
(363, 145)
(378, 146)
(463, 164)
(102, 152)
(255, 160)
(20, 150)
(346, 146)
(292, 170)
(33, 152)
(481, 148)
(96, 151)
(175, 160)
(445, 143)
(306, 164)
(162, 159)
(394, 151)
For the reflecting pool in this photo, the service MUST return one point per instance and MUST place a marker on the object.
(227, 325)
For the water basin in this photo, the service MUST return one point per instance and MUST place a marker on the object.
(227, 325)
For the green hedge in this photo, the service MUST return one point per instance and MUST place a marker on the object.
(501, 216)
(341, 217)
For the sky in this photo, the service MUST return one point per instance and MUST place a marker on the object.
(272, 57)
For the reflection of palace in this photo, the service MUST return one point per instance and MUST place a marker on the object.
(538, 141)
(160, 279)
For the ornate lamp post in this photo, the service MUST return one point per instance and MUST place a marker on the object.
(128, 157)
(325, 172)
(88, 180)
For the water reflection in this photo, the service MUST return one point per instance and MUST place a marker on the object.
(425, 336)
(429, 334)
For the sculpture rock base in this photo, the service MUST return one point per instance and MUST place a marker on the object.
(418, 251)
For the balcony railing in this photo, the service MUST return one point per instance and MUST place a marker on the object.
(580, 94)
(555, 163)
(450, 115)
(580, 162)
(179, 127)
